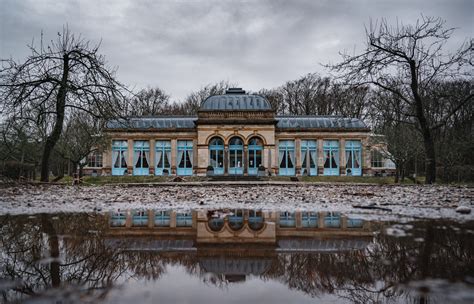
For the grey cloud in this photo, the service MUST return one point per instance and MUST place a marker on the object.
(182, 45)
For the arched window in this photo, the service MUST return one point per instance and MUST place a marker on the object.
(236, 154)
(236, 220)
(216, 155)
(255, 158)
(255, 219)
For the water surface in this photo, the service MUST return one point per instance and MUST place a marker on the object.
(233, 256)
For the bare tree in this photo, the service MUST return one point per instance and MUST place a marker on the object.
(193, 101)
(82, 135)
(69, 74)
(149, 101)
(406, 60)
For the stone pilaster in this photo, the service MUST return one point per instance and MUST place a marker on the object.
(245, 160)
(174, 151)
(320, 153)
(298, 156)
(226, 161)
(152, 161)
(130, 157)
(342, 156)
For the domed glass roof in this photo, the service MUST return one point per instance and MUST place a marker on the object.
(235, 99)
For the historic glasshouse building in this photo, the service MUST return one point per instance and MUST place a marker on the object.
(237, 134)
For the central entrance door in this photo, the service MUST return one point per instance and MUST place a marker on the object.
(236, 156)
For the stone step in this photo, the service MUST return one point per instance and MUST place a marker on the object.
(235, 178)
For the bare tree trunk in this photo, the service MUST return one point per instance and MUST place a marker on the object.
(81, 171)
(397, 174)
(53, 242)
(430, 154)
(430, 162)
(58, 124)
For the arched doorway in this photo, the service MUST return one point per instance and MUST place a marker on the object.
(255, 158)
(216, 155)
(236, 156)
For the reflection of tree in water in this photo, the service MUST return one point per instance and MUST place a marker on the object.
(40, 253)
(373, 275)
(70, 251)
(43, 252)
(150, 265)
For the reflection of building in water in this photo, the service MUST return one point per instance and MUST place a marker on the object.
(237, 226)
(236, 243)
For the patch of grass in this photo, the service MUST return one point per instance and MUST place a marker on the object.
(129, 179)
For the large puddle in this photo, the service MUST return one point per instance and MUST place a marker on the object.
(233, 256)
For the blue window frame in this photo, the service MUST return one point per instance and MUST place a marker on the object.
(255, 219)
(162, 218)
(255, 151)
(286, 157)
(140, 218)
(162, 156)
(184, 219)
(287, 219)
(118, 219)
(353, 158)
(236, 220)
(185, 157)
(331, 157)
(216, 155)
(119, 157)
(355, 223)
(216, 223)
(309, 157)
(236, 156)
(141, 157)
(332, 220)
(309, 219)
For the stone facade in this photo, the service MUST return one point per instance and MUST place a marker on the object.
(246, 117)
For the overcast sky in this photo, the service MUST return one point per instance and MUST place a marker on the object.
(182, 45)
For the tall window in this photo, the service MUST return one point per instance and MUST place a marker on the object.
(377, 159)
(119, 157)
(309, 219)
(287, 219)
(255, 159)
(216, 155)
(185, 157)
(162, 218)
(94, 159)
(331, 157)
(332, 220)
(236, 154)
(162, 156)
(309, 157)
(286, 157)
(141, 157)
(184, 219)
(353, 157)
